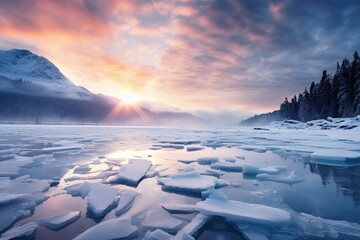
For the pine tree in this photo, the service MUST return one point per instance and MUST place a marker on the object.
(356, 72)
(344, 95)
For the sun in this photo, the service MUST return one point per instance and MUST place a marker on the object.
(129, 99)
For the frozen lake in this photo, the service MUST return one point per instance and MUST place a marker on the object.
(269, 184)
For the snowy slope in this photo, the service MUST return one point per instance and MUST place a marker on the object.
(38, 72)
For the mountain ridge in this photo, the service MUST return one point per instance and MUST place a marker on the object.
(33, 89)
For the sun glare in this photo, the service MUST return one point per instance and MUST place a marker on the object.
(129, 99)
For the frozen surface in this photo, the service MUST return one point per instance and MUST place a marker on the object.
(19, 231)
(190, 181)
(60, 221)
(40, 164)
(117, 228)
(133, 171)
(218, 204)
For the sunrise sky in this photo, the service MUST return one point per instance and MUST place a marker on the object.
(226, 57)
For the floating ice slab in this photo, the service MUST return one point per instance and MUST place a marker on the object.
(101, 199)
(60, 221)
(228, 166)
(218, 204)
(292, 178)
(212, 172)
(189, 181)
(117, 228)
(249, 169)
(207, 160)
(19, 231)
(127, 198)
(312, 226)
(193, 149)
(335, 155)
(196, 223)
(158, 234)
(80, 189)
(6, 198)
(158, 218)
(133, 171)
(180, 208)
(187, 161)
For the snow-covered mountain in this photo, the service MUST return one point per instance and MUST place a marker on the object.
(32, 89)
(36, 72)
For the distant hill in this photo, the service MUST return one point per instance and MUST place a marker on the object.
(32, 89)
(334, 96)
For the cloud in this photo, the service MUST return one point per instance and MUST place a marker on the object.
(213, 55)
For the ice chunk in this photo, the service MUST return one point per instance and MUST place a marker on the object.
(116, 228)
(335, 155)
(180, 208)
(212, 172)
(172, 146)
(82, 169)
(187, 161)
(218, 204)
(248, 169)
(127, 198)
(101, 199)
(60, 221)
(158, 234)
(189, 181)
(252, 234)
(207, 160)
(158, 218)
(292, 178)
(193, 149)
(5, 198)
(196, 223)
(313, 226)
(80, 189)
(133, 171)
(19, 231)
(228, 166)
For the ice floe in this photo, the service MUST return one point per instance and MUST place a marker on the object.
(236, 166)
(180, 208)
(335, 155)
(134, 171)
(191, 181)
(158, 234)
(127, 198)
(19, 231)
(117, 228)
(218, 204)
(158, 218)
(60, 221)
(249, 169)
(101, 199)
(290, 178)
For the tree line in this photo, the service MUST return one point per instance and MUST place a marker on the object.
(333, 96)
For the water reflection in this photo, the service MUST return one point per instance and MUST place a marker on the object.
(347, 179)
